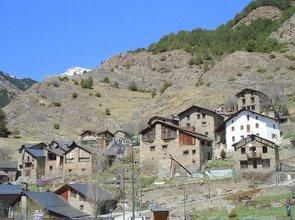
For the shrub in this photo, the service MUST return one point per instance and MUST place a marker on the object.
(3, 130)
(64, 79)
(261, 70)
(90, 94)
(55, 84)
(165, 86)
(75, 95)
(231, 79)
(76, 82)
(222, 154)
(162, 58)
(208, 84)
(250, 46)
(272, 56)
(248, 67)
(87, 83)
(57, 104)
(239, 74)
(200, 82)
(97, 94)
(132, 86)
(206, 67)
(277, 69)
(56, 126)
(105, 79)
(115, 85)
(153, 94)
(291, 67)
(269, 77)
(107, 111)
(233, 214)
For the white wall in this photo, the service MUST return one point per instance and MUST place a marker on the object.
(265, 129)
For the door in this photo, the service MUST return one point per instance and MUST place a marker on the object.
(255, 164)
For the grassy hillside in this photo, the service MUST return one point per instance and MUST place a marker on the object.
(209, 45)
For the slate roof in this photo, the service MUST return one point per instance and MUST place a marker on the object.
(114, 148)
(83, 189)
(56, 204)
(248, 90)
(199, 108)
(253, 137)
(7, 189)
(36, 152)
(8, 164)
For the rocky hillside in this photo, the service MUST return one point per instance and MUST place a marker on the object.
(11, 86)
(166, 83)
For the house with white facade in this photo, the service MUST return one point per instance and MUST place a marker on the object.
(246, 122)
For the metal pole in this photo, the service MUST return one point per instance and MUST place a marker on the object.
(133, 188)
(123, 196)
(184, 200)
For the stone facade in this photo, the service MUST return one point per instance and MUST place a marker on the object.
(200, 120)
(254, 153)
(161, 141)
(253, 100)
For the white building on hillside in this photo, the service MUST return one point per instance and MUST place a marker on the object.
(244, 123)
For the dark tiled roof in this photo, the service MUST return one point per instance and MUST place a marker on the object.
(7, 189)
(8, 164)
(181, 129)
(200, 108)
(36, 152)
(246, 90)
(56, 204)
(83, 189)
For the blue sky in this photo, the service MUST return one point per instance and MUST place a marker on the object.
(38, 38)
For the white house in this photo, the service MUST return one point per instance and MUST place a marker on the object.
(244, 123)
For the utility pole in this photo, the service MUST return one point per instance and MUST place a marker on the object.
(133, 182)
(184, 202)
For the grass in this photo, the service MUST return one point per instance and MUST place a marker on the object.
(147, 181)
(264, 208)
(226, 163)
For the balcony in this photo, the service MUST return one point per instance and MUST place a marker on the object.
(254, 155)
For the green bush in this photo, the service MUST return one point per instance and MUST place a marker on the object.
(290, 57)
(261, 70)
(76, 82)
(56, 126)
(231, 79)
(105, 79)
(272, 56)
(97, 94)
(223, 154)
(115, 85)
(75, 95)
(291, 67)
(107, 111)
(147, 181)
(165, 86)
(64, 79)
(154, 94)
(239, 74)
(87, 83)
(133, 86)
(200, 82)
(3, 130)
(57, 104)
(233, 214)
(162, 58)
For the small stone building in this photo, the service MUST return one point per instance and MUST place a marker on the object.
(254, 153)
(200, 120)
(161, 140)
(77, 195)
(253, 100)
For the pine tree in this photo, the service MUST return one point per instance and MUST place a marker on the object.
(3, 130)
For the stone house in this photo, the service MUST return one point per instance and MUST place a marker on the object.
(244, 123)
(161, 141)
(77, 195)
(32, 159)
(254, 153)
(200, 120)
(253, 100)
(9, 171)
(96, 139)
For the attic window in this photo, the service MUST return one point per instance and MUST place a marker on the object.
(152, 148)
(264, 149)
(185, 152)
(252, 99)
(243, 150)
(248, 117)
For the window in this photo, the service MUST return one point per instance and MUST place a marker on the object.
(188, 117)
(257, 125)
(248, 107)
(193, 151)
(152, 148)
(188, 125)
(274, 126)
(232, 121)
(273, 136)
(168, 133)
(257, 134)
(265, 163)
(20, 166)
(264, 149)
(242, 136)
(185, 152)
(242, 127)
(248, 117)
(73, 194)
(256, 117)
(198, 116)
(233, 138)
(204, 124)
(203, 143)
(244, 101)
(70, 170)
(253, 107)
(243, 164)
(252, 99)
(206, 133)
(232, 128)
(164, 147)
(83, 169)
(248, 128)
(84, 156)
(50, 167)
(203, 115)
(243, 150)
(81, 207)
